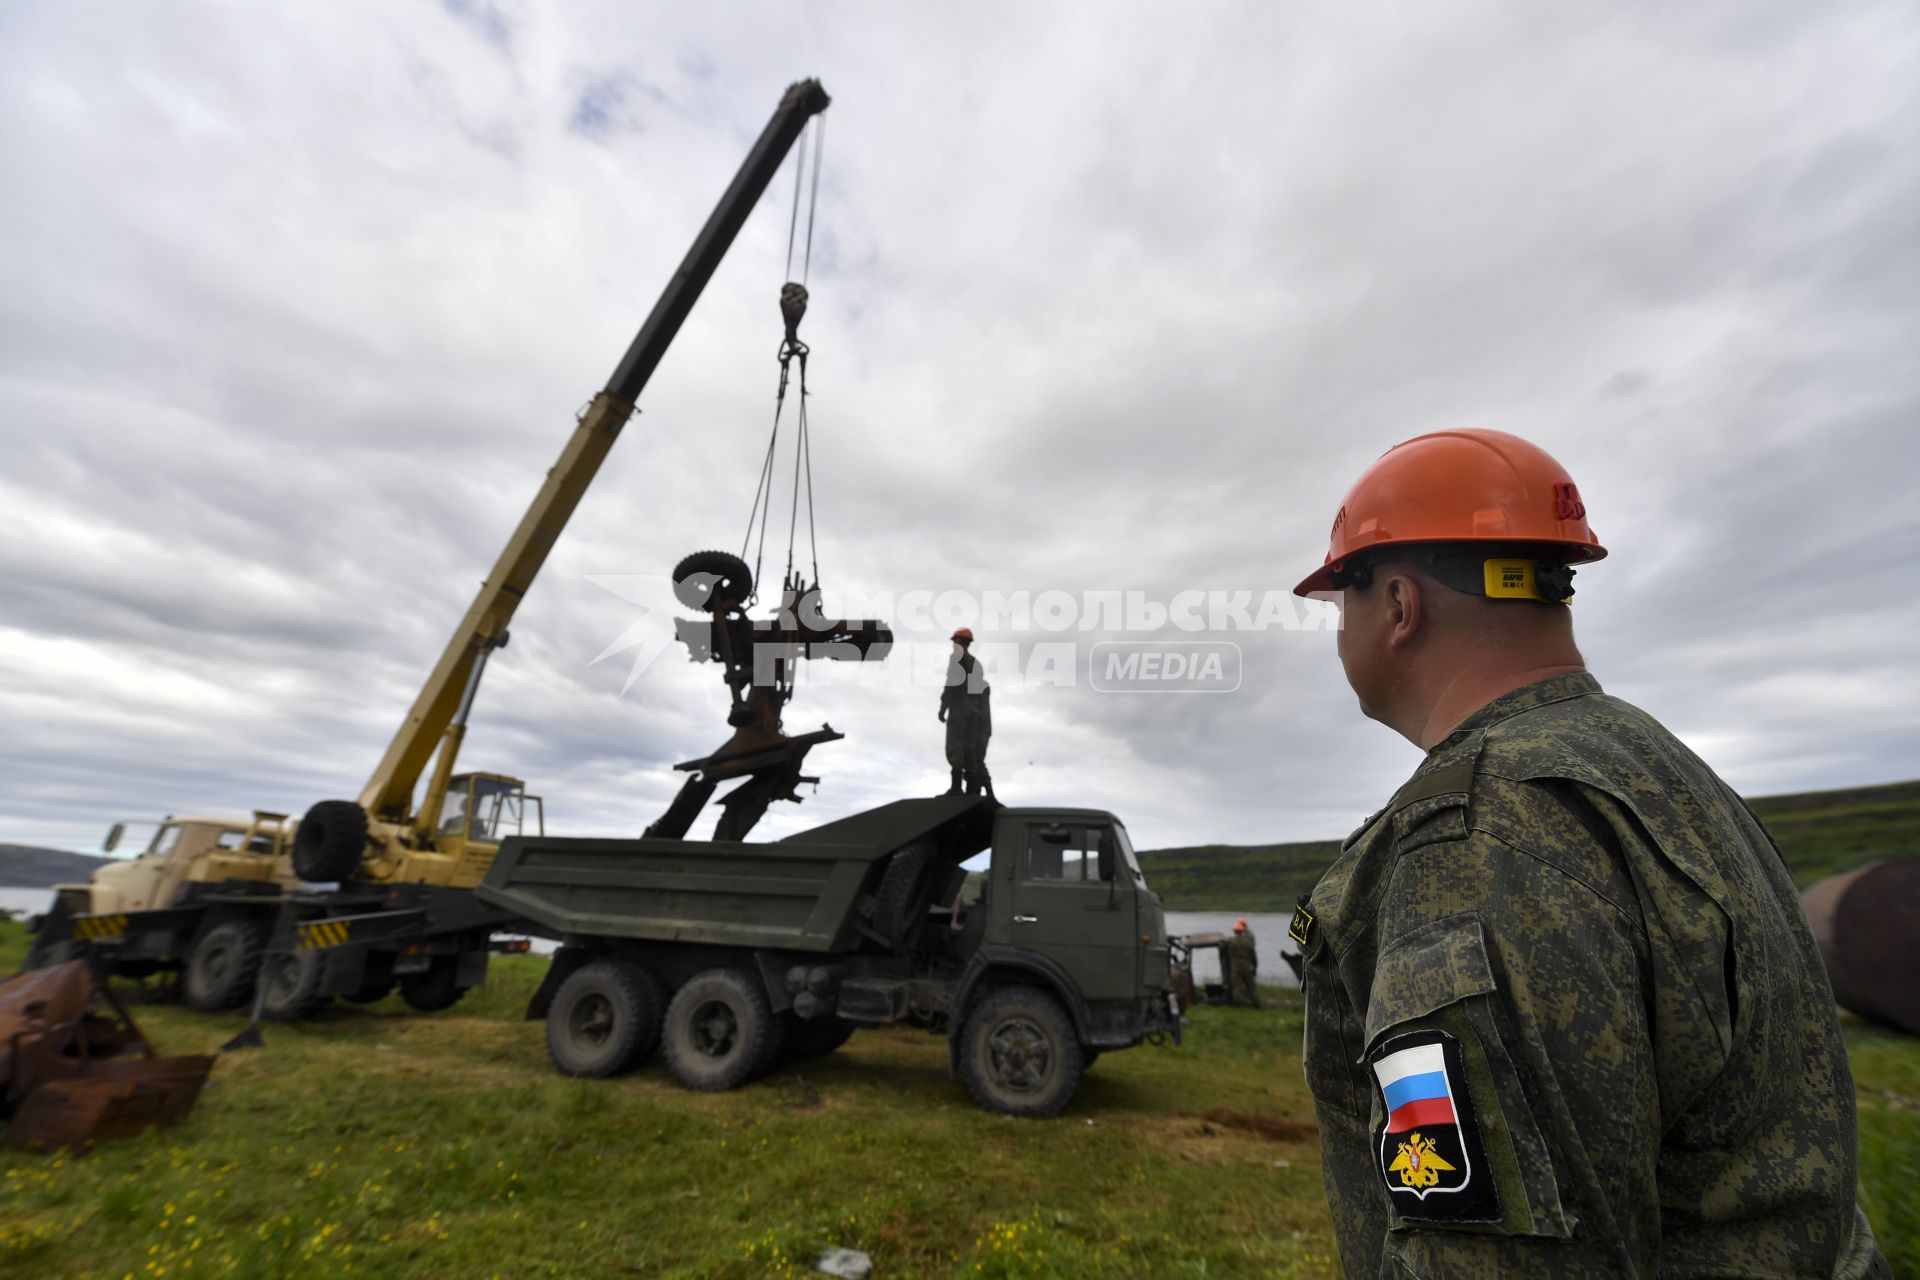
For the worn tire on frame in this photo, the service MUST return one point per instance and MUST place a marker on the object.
(719, 1031)
(899, 887)
(1019, 1053)
(222, 967)
(330, 842)
(605, 1019)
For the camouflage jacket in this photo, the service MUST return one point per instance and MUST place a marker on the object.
(966, 692)
(1565, 1018)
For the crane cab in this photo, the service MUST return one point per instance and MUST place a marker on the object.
(478, 812)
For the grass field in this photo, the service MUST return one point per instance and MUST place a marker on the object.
(386, 1144)
(1819, 833)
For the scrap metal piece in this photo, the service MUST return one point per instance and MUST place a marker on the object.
(68, 1077)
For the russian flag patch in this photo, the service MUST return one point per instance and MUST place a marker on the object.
(1428, 1147)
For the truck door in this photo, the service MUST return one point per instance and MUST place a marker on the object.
(1073, 900)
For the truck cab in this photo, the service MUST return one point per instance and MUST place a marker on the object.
(189, 850)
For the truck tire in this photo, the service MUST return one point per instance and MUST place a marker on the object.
(330, 842)
(223, 965)
(1019, 1054)
(899, 889)
(718, 1031)
(436, 989)
(292, 986)
(705, 574)
(605, 1019)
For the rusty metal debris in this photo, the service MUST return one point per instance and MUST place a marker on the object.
(72, 1074)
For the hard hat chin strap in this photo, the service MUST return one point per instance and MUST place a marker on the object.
(1471, 571)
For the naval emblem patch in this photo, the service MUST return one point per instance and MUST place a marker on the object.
(1428, 1147)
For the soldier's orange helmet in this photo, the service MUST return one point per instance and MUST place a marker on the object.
(1239, 926)
(1467, 486)
(964, 635)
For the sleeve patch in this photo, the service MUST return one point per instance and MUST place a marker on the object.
(1427, 1147)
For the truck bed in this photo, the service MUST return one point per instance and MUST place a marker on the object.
(798, 894)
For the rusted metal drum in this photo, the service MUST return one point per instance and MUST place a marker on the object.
(1867, 922)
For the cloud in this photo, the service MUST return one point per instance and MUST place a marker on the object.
(300, 307)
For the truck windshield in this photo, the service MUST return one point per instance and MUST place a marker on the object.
(1126, 851)
(165, 838)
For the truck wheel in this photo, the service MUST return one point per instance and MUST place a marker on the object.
(1019, 1054)
(329, 844)
(899, 889)
(718, 1030)
(293, 985)
(435, 989)
(222, 967)
(605, 1019)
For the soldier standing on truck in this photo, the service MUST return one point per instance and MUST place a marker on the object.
(1243, 963)
(1594, 1033)
(967, 710)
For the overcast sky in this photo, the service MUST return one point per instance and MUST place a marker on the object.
(297, 304)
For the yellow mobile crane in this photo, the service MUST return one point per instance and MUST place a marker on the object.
(401, 911)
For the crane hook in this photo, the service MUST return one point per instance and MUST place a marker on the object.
(793, 307)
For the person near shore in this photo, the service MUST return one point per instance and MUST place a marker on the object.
(1243, 964)
(966, 708)
(1565, 1016)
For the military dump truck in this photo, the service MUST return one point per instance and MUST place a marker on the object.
(731, 958)
(404, 856)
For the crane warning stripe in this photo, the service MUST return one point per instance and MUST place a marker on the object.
(322, 934)
(100, 926)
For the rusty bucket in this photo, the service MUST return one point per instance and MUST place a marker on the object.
(71, 1074)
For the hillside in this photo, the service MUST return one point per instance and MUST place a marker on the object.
(23, 866)
(1819, 832)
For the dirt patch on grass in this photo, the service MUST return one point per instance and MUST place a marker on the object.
(1263, 1125)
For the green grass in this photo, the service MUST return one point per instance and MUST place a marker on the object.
(376, 1142)
(381, 1143)
(1819, 833)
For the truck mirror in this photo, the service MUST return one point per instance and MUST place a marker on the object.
(114, 833)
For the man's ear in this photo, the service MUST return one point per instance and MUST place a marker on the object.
(1405, 610)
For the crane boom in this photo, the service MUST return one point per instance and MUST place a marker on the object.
(438, 712)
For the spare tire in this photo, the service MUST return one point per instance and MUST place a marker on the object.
(330, 842)
(900, 888)
(706, 575)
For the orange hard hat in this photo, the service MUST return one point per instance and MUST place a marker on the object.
(964, 633)
(1239, 926)
(1459, 486)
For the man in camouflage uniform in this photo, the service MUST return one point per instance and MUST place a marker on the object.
(967, 710)
(1564, 1013)
(1243, 965)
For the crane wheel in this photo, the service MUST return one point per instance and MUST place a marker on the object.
(436, 989)
(705, 576)
(223, 965)
(719, 1030)
(330, 842)
(605, 1019)
(292, 982)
